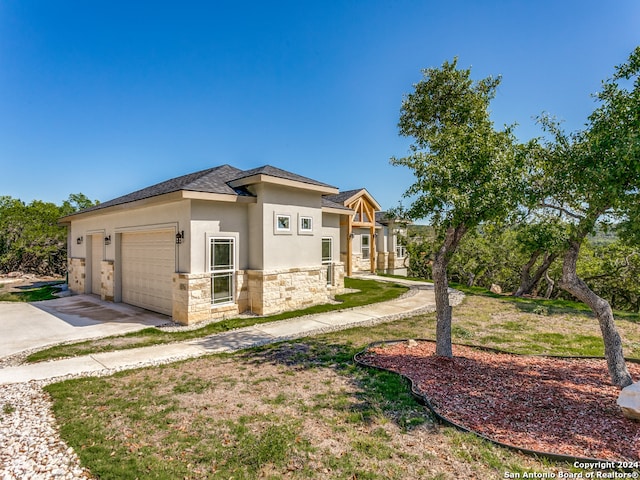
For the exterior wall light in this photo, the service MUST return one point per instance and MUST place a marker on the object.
(179, 237)
(107, 240)
(79, 240)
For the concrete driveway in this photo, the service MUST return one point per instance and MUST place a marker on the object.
(25, 326)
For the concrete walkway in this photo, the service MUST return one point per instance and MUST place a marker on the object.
(419, 300)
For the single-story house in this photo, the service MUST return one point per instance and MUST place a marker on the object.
(223, 241)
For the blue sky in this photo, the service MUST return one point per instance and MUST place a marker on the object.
(106, 97)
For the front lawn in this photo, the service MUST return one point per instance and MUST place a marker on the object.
(302, 409)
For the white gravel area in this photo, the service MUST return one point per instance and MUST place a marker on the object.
(30, 444)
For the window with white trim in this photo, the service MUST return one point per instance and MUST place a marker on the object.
(327, 258)
(366, 246)
(306, 225)
(282, 223)
(222, 259)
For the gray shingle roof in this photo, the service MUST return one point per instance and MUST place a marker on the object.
(382, 217)
(279, 173)
(212, 180)
(342, 196)
(330, 204)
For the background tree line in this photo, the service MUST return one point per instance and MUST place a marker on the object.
(31, 241)
(498, 254)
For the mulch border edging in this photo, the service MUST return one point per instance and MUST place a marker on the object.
(422, 399)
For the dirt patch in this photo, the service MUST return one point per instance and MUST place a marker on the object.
(18, 284)
(557, 406)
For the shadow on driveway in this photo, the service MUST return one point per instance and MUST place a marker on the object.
(27, 326)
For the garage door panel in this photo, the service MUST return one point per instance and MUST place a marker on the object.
(148, 264)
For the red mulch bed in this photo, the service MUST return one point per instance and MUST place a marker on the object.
(550, 405)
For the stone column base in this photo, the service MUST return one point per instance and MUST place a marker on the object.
(77, 275)
(106, 280)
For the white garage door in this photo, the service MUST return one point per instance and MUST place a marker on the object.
(148, 264)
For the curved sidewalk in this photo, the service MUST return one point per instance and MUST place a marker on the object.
(420, 300)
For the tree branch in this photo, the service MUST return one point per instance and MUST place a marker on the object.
(563, 210)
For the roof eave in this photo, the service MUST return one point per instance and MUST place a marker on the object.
(262, 178)
(160, 199)
(361, 192)
(339, 211)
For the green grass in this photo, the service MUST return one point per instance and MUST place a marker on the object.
(129, 425)
(537, 305)
(369, 292)
(111, 431)
(8, 409)
(36, 294)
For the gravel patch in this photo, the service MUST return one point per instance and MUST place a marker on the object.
(30, 444)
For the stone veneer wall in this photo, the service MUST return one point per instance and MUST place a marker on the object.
(291, 289)
(337, 285)
(359, 264)
(77, 275)
(192, 298)
(383, 261)
(106, 280)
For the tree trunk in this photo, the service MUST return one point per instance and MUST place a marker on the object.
(525, 275)
(612, 342)
(550, 285)
(471, 279)
(441, 288)
(528, 282)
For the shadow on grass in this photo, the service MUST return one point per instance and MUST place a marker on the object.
(380, 393)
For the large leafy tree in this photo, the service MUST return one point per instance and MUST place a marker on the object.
(594, 175)
(30, 238)
(466, 172)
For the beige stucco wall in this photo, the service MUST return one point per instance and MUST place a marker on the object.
(331, 229)
(359, 264)
(291, 249)
(173, 215)
(216, 219)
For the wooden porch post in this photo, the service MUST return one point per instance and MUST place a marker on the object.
(372, 248)
(349, 245)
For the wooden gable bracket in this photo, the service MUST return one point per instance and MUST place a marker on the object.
(364, 216)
